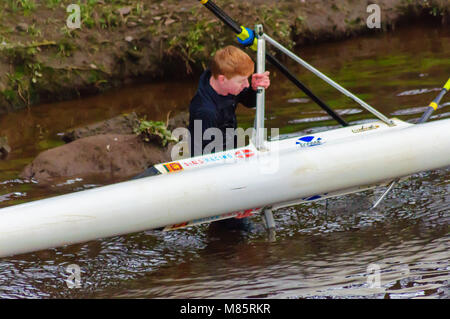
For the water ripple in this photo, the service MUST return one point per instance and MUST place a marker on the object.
(418, 91)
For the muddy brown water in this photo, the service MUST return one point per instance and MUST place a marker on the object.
(337, 249)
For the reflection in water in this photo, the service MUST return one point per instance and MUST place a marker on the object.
(419, 91)
(323, 249)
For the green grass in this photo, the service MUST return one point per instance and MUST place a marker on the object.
(27, 6)
(48, 144)
(51, 4)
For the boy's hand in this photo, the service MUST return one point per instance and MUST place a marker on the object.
(259, 79)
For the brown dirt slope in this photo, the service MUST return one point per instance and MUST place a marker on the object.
(119, 41)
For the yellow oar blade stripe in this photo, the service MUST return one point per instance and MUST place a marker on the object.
(244, 34)
(447, 85)
(434, 105)
(254, 46)
(204, 1)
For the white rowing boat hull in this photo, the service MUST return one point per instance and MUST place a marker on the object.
(220, 185)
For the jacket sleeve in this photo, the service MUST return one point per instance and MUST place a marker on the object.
(247, 98)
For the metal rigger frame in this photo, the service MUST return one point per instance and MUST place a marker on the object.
(262, 38)
(256, 40)
(261, 54)
(259, 137)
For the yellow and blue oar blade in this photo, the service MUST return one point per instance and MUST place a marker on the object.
(245, 36)
(435, 104)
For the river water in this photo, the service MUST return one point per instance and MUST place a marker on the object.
(334, 249)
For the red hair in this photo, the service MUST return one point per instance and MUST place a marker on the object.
(231, 61)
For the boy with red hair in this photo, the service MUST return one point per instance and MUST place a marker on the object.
(220, 89)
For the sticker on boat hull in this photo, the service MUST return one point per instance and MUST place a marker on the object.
(365, 128)
(173, 167)
(309, 141)
(239, 215)
(244, 153)
(315, 197)
(205, 160)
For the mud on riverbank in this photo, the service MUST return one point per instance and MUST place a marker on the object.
(122, 41)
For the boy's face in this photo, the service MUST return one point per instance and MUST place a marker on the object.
(235, 85)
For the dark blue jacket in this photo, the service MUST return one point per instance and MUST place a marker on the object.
(215, 110)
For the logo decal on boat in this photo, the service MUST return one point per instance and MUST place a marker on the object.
(177, 226)
(365, 128)
(239, 214)
(193, 163)
(173, 167)
(309, 141)
(206, 160)
(245, 213)
(315, 197)
(244, 153)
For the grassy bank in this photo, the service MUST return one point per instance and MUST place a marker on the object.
(121, 41)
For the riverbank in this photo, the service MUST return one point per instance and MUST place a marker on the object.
(120, 41)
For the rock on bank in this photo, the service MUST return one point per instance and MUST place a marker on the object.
(99, 155)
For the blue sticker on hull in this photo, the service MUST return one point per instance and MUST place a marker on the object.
(315, 197)
(309, 141)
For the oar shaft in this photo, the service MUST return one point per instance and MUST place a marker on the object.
(434, 105)
(222, 15)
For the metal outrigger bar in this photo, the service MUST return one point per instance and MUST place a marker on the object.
(259, 138)
(259, 120)
(390, 187)
(269, 222)
(328, 80)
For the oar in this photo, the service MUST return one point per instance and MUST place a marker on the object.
(430, 109)
(246, 37)
(435, 104)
